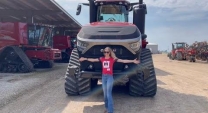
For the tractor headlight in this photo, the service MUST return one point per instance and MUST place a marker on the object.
(135, 46)
(81, 45)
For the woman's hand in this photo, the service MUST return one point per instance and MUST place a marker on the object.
(82, 59)
(136, 61)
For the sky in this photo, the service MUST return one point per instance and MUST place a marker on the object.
(167, 21)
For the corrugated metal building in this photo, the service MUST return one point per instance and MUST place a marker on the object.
(153, 47)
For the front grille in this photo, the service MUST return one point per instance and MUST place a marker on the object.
(120, 51)
(97, 66)
(95, 52)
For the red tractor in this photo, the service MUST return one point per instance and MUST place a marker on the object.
(109, 26)
(181, 51)
(24, 46)
(178, 51)
(64, 40)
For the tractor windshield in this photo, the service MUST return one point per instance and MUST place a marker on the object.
(180, 45)
(39, 35)
(117, 13)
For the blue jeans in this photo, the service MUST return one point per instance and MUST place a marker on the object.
(107, 84)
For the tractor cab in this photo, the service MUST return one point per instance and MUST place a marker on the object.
(39, 35)
(116, 12)
(112, 11)
(179, 45)
(107, 11)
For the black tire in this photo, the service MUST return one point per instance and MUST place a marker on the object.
(74, 85)
(179, 56)
(190, 59)
(140, 87)
(194, 60)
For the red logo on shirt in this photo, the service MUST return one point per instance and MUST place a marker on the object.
(107, 65)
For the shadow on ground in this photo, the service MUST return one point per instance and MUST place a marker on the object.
(165, 101)
(201, 62)
(160, 72)
(188, 62)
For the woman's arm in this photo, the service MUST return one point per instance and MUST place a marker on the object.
(89, 59)
(128, 61)
(93, 59)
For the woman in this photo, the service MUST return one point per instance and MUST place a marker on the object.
(107, 74)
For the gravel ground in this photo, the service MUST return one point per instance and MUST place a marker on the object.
(182, 88)
(16, 85)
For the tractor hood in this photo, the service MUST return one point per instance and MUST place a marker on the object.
(109, 30)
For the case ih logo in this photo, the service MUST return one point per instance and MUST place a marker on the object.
(101, 50)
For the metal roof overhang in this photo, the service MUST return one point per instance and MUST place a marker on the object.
(37, 11)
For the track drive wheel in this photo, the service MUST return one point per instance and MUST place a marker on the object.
(74, 85)
(22, 68)
(138, 86)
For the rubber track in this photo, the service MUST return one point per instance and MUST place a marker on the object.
(140, 87)
(73, 85)
(23, 57)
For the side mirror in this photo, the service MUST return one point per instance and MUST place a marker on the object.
(130, 8)
(79, 7)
